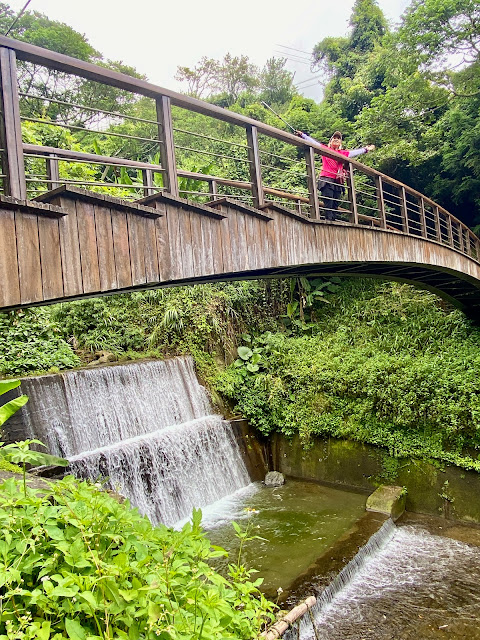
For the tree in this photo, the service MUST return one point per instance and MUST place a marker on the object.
(48, 84)
(200, 79)
(276, 83)
(341, 57)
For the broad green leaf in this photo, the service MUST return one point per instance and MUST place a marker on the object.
(7, 410)
(6, 385)
(74, 629)
(244, 352)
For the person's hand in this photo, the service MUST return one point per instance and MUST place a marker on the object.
(370, 147)
(299, 133)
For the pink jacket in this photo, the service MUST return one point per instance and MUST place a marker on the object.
(334, 168)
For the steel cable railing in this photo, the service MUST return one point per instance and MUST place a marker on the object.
(257, 164)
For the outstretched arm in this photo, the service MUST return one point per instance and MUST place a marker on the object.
(300, 134)
(353, 153)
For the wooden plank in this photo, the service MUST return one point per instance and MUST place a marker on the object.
(312, 183)
(381, 202)
(254, 167)
(51, 258)
(423, 219)
(240, 256)
(438, 231)
(121, 249)
(353, 195)
(53, 171)
(89, 252)
(251, 241)
(229, 241)
(29, 263)
(199, 262)
(217, 228)
(167, 147)
(450, 231)
(152, 272)
(9, 280)
(185, 231)
(208, 250)
(106, 253)
(212, 189)
(404, 208)
(174, 242)
(163, 246)
(70, 248)
(136, 240)
(11, 127)
(272, 233)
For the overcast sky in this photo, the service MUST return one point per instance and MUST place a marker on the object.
(156, 37)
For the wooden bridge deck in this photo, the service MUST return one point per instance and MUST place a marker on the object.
(72, 243)
(68, 243)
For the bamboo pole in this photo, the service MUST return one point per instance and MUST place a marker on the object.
(278, 629)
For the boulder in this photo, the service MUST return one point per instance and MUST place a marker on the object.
(388, 500)
(274, 479)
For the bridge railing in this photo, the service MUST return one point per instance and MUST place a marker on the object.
(259, 164)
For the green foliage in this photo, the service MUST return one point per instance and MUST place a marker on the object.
(384, 364)
(21, 453)
(31, 342)
(77, 564)
(7, 410)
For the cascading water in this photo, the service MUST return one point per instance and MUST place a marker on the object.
(148, 427)
(409, 584)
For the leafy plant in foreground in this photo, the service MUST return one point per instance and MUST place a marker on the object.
(78, 564)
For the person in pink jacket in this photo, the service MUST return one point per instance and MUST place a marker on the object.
(332, 176)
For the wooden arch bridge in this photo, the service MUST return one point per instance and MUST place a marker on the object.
(64, 237)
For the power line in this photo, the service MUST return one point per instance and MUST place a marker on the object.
(310, 85)
(309, 79)
(297, 61)
(293, 55)
(284, 46)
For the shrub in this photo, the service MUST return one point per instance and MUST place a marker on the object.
(78, 564)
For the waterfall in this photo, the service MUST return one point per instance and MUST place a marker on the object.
(147, 427)
(342, 579)
(415, 584)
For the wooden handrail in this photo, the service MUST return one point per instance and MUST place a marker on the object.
(13, 149)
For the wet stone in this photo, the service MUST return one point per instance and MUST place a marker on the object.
(274, 479)
(389, 500)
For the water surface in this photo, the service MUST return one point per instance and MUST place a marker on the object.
(297, 523)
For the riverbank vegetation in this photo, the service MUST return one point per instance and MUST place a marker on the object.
(375, 362)
(78, 564)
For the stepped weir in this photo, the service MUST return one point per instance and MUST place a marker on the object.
(149, 428)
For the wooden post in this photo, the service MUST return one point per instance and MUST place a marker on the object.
(312, 182)
(423, 220)
(212, 188)
(167, 147)
(403, 205)
(353, 197)
(53, 172)
(11, 127)
(450, 231)
(255, 167)
(147, 179)
(438, 229)
(461, 238)
(380, 201)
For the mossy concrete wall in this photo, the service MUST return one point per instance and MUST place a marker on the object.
(435, 490)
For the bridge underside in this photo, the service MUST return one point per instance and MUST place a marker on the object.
(77, 244)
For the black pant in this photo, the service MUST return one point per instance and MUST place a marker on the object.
(331, 193)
